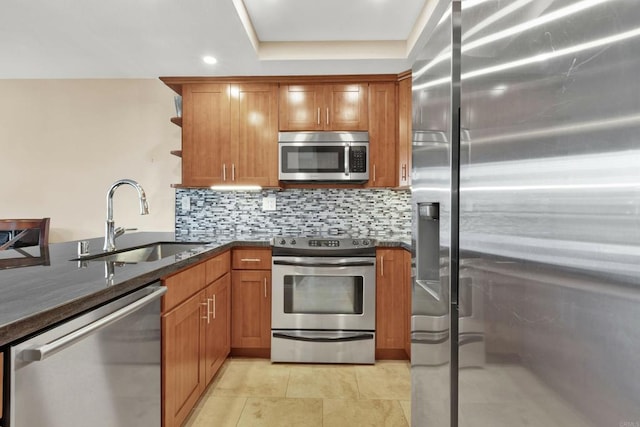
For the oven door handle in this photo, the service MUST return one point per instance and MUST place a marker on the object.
(357, 336)
(325, 264)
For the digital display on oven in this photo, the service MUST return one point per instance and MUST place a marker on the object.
(324, 243)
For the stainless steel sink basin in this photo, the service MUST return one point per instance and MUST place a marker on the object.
(147, 253)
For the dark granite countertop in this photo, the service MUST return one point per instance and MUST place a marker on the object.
(35, 297)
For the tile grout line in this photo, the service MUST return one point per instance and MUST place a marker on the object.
(246, 399)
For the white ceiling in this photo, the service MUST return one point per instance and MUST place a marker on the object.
(152, 38)
(334, 20)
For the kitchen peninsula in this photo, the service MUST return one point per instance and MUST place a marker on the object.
(35, 298)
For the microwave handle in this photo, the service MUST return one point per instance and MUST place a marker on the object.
(347, 155)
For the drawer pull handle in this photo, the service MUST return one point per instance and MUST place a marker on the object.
(208, 312)
(250, 259)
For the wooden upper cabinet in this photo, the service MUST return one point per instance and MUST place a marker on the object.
(254, 134)
(230, 134)
(383, 117)
(205, 133)
(300, 107)
(346, 107)
(405, 135)
(319, 107)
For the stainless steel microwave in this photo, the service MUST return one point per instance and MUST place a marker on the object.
(323, 156)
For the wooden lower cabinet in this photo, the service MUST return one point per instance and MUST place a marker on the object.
(218, 329)
(184, 374)
(195, 335)
(392, 292)
(251, 311)
(407, 302)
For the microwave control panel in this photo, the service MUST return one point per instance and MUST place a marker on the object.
(358, 159)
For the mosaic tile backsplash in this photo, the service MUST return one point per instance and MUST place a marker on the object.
(299, 212)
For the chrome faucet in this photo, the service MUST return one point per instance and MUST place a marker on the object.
(110, 231)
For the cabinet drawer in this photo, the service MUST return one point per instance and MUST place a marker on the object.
(182, 285)
(252, 259)
(217, 267)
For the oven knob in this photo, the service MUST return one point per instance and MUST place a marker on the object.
(293, 242)
(282, 242)
(355, 243)
(366, 242)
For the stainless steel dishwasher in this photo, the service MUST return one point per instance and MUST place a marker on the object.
(101, 369)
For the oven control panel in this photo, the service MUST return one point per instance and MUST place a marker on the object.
(321, 243)
(324, 243)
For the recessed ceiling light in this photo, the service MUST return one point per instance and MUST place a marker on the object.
(209, 59)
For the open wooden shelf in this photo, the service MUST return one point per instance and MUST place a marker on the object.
(176, 121)
(177, 153)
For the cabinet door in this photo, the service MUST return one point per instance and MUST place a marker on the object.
(346, 107)
(301, 107)
(382, 135)
(404, 132)
(217, 329)
(254, 134)
(205, 134)
(391, 293)
(184, 374)
(251, 309)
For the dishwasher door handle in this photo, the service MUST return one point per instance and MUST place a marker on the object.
(41, 353)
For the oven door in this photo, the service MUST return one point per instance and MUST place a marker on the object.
(323, 293)
(299, 161)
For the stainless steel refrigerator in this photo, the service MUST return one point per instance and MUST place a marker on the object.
(526, 207)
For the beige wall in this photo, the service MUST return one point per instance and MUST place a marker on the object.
(64, 142)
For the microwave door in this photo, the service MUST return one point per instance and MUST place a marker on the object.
(307, 162)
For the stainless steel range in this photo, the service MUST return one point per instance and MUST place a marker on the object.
(324, 300)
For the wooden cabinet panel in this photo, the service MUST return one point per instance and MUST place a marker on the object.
(324, 107)
(300, 107)
(183, 373)
(382, 135)
(251, 309)
(205, 133)
(254, 134)
(346, 107)
(404, 132)
(195, 334)
(406, 255)
(392, 290)
(217, 266)
(217, 330)
(251, 259)
(182, 285)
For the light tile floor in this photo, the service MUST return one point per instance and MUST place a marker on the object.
(257, 393)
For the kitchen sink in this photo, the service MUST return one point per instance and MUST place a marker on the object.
(146, 253)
